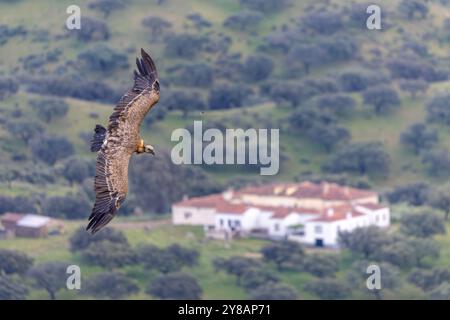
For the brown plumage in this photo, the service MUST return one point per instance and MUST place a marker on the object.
(119, 141)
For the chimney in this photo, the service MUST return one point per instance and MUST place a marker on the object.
(347, 191)
(227, 194)
(185, 197)
(330, 212)
(348, 215)
(325, 188)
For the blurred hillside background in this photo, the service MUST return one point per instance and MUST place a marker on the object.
(367, 108)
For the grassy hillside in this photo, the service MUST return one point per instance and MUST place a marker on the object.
(45, 50)
(128, 34)
(215, 285)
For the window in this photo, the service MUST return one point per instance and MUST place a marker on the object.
(318, 229)
(237, 223)
(187, 215)
(221, 222)
(276, 227)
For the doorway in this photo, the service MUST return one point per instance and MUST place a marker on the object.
(319, 243)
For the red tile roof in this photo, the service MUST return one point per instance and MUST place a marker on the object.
(372, 206)
(230, 208)
(214, 201)
(11, 217)
(279, 212)
(283, 212)
(323, 190)
(202, 202)
(338, 213)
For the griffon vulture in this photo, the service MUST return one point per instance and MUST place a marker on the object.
(119, 141)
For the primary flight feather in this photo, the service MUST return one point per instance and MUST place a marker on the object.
(119, 141)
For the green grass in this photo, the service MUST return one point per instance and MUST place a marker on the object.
(216, 285)
(301, 155)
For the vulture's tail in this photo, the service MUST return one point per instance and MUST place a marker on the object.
(97, 139)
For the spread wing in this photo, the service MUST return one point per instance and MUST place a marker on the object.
(110, 184)
(116, 144)
(139, 99)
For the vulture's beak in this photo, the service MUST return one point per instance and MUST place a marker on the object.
(150, 149)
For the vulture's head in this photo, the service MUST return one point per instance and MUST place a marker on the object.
(149, 149)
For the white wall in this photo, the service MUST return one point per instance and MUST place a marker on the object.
(384, 217)
(255, 218)
(380, 217)
(330, 230)
(193, 216)
(327, 234)
(226, 221)
(280, 227)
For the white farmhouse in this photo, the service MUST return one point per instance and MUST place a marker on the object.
(323, 230)
(309, 213)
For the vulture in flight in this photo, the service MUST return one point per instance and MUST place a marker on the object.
(119, 141)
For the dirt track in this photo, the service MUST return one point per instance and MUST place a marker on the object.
(147, 225)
